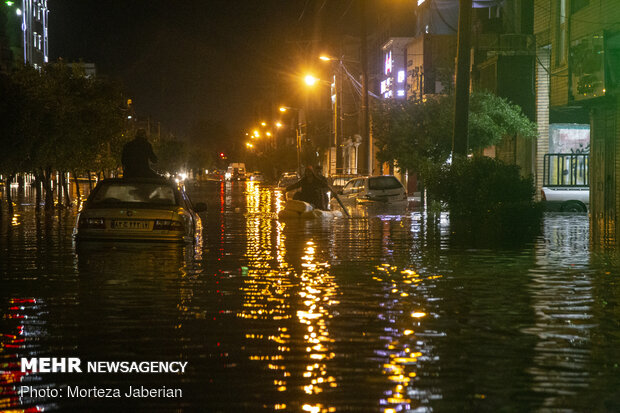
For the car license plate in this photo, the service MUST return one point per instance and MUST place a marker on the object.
(139, 225)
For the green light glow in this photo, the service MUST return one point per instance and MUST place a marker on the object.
(9, 3)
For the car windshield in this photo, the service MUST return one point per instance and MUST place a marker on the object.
(287, 180)
(135, 193)
(384, 182)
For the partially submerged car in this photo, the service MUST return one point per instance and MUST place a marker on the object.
(139, 209)
(381, 190)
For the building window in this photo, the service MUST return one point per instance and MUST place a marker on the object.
(401, 76)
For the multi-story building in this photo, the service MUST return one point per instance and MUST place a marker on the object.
(394, 82)
(34, 26)
(430, 65)
(578, 85)
(503, 57)
(25, 34)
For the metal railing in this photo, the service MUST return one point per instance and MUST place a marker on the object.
(566, 169)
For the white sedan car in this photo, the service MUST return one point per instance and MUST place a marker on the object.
(375, 190)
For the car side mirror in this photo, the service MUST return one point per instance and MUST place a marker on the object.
(200, 207)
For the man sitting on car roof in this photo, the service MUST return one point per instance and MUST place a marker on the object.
(136, 156)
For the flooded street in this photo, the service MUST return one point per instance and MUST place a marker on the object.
(378, 313)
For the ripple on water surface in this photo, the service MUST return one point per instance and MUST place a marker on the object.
(381, 312)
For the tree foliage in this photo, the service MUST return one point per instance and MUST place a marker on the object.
(59, 119)
(417, 136)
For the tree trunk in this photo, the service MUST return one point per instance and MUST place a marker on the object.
(9, 198)
(47, 186)
(59, 189)
(37, 189)
(78, 195)
(90, 181)
(65, 187)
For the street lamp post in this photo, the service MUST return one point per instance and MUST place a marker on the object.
(297, 134)
(311, 81)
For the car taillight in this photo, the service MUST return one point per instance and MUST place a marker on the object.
(96, 223)
(542, 195)
(168, 225)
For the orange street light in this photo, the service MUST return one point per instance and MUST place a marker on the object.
(310, 80)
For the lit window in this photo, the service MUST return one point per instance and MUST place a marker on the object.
(426, 29)
(400, 93)
(383, 86)
(401, 76)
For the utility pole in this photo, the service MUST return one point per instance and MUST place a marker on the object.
(365, 112)
(461, 99)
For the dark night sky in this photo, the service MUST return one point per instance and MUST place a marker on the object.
(186, 60)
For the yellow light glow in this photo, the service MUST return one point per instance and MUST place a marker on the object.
(418, 314)
(263, 124)
(310, 80)
(325, 58)
(282, 109)
(279, 125)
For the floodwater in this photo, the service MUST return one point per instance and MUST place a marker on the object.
(378, 313)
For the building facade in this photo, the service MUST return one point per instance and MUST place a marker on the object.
(35, 17)
(578, 77)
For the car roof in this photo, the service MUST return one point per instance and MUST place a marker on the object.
(161, 180)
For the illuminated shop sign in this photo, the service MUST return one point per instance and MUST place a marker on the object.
(388, 63)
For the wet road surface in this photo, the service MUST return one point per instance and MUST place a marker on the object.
(378, 313)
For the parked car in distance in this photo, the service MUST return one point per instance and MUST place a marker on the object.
(235, 172)
(142, 209)
(287, 178)
(566, 182)
(377, 190)
(257, 177)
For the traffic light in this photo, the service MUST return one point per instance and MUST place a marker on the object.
(222, 155)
